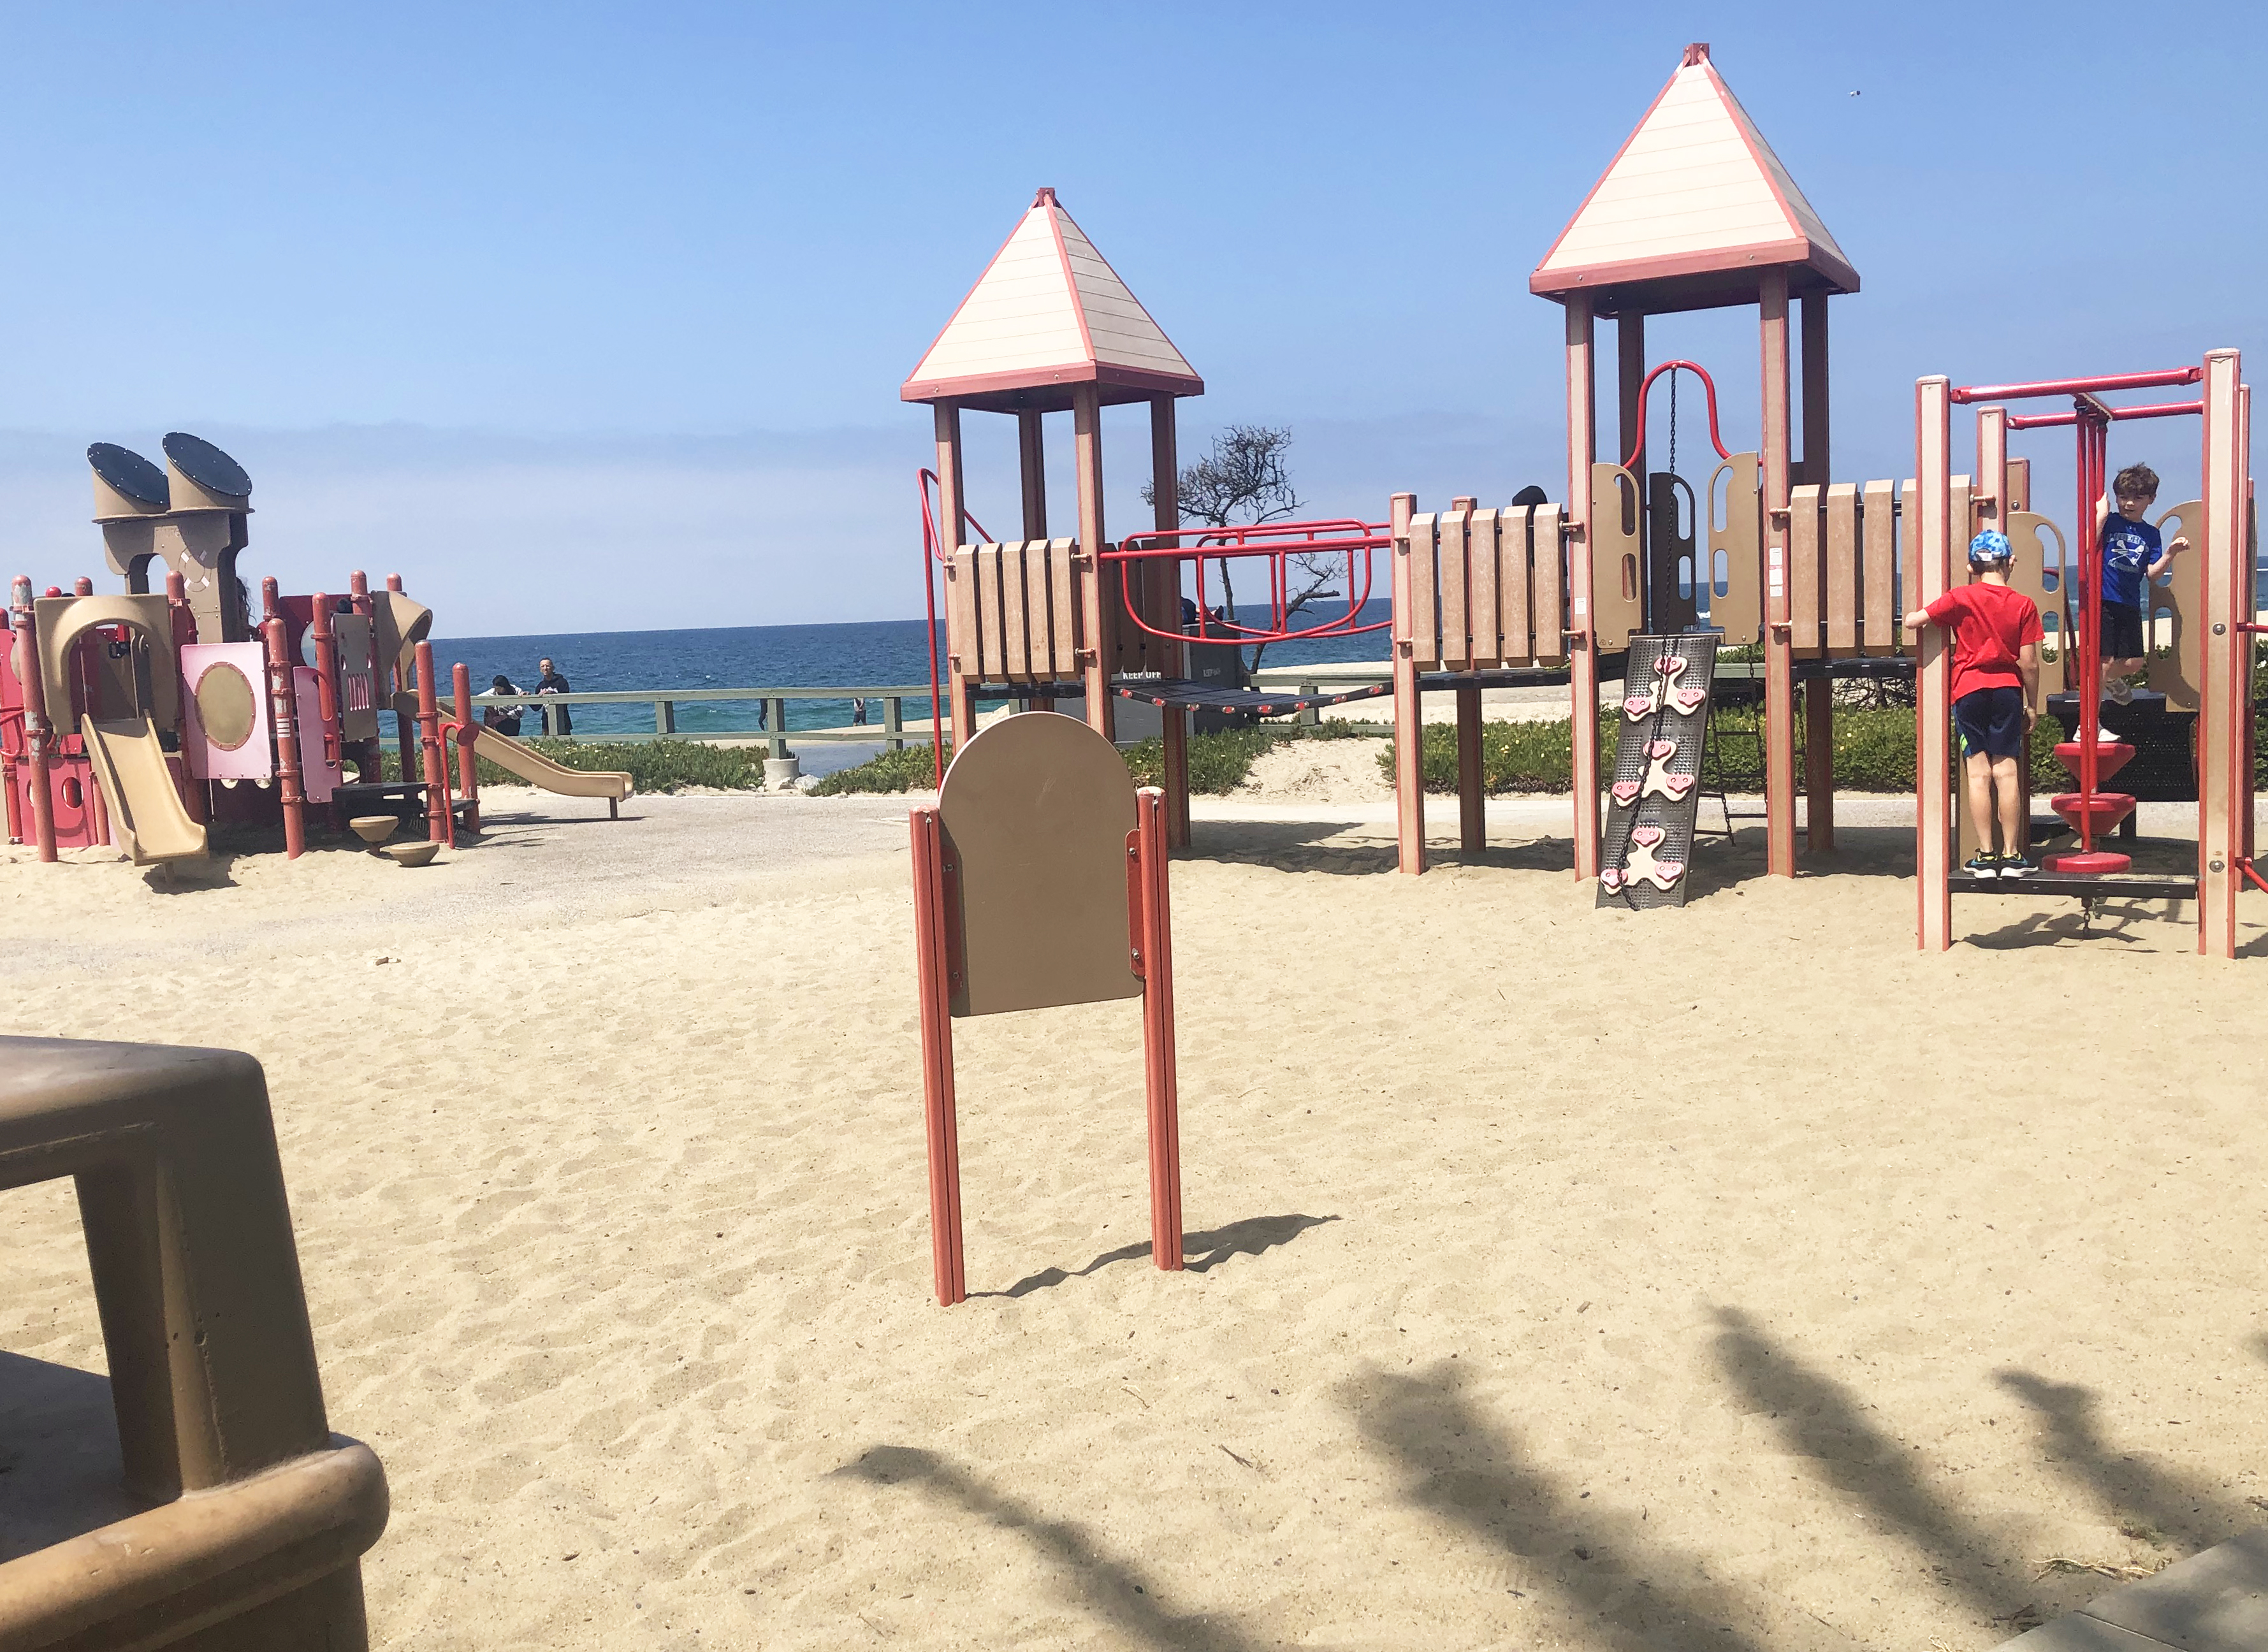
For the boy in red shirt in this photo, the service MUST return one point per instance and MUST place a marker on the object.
(1996, 677)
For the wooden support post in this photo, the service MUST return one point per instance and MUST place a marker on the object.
(1098, 647)
(1819, 764)
(1929, 572)
(950, 501)
(1408, 723)
(933, 895)
(1817, 471)
(665, 717)
(440, 818)
(1163, 592)
(39, 732)
(1153, 945)
(1032, 469)
(2225, 706)
(1779, 673)
(1817, 467)
(469, 728)
(776, 718)
(1472, 792)
(1582, 640)
(894, 721)
(284, 720)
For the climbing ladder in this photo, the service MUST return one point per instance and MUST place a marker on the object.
(1656, 791)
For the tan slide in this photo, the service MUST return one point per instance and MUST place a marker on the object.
(147, 819)
(538, 770)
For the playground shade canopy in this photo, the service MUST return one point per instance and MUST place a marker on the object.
(1696, 206)
(1049, 312)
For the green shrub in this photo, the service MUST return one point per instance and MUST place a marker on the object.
(1874, 751)
(911, 769)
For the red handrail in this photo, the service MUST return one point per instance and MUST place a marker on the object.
(1708, 384)
(2154, 410)
(2076, 386)
(1279, 542)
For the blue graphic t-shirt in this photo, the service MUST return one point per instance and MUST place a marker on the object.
(2128, 550)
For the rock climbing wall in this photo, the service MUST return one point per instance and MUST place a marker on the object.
(1656, 789)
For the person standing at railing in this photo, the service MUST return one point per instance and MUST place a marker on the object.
(559, 719)
(502, 719)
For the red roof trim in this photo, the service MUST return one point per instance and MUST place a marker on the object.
(1084, 373)
(1770, 255)
(1071, 282)
(1120, 279)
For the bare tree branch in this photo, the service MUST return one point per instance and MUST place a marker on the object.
(1244, 479)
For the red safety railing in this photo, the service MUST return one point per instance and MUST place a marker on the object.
(2154, 410)
(1279, 542)
(2077, 386)
(1647, 384)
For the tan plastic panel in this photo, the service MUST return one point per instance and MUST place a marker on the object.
(359, 693)
(1617, 557)
(1513, 585)
(1671, 527)
(1483, 612)
(1456, 588)
(1547, 605)
(1879, 631)
(2179, 673)
(1806, 551)
(1739, 613)
(2038, 546)
(62, 621)
(1036, 809)
(402, 626)
(1842, 556)
(1424, 614)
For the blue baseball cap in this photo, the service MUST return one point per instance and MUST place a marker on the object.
(1991, 547)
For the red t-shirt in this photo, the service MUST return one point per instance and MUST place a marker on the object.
(1990, 624)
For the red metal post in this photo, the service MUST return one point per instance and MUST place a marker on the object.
(39, 734)
(284, 716)
(1154, 961)
(1779, 666)
(931, 920)
(468, 728)
(439, 817)
(1408, 722)
(327, 693)
(1165, 593)
(1582, 639)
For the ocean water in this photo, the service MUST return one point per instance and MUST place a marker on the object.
(878, 653)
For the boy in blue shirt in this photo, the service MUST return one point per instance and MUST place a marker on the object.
(2132, 557)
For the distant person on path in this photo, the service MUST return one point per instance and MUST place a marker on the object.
(2132, 557)
(556, 719)
(1996, 677)
(857, 710)
(502, 719)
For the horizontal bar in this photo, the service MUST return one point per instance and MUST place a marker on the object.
(912, 734)
(2073, 386)
(2154, 410)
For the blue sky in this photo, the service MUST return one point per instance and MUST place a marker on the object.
(592, 316)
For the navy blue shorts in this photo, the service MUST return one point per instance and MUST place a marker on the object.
(1990, 721)
(2121, 631)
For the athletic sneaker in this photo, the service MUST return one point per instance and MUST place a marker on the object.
(2018, 866)
(1982, 865)
(2118, 692)
(2104, 737)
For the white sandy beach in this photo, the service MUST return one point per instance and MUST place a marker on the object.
(1735, 1277)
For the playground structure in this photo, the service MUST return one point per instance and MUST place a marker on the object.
(254, 1515)
(1038, 848)
(2205, 601)
(137, 720)
(1695, 212)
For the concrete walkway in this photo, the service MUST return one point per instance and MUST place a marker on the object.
(2213, 1602)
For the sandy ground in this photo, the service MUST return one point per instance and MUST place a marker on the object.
(1729, 1278)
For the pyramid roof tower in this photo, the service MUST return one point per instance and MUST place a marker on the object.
(1693, 209)
(1049, 312)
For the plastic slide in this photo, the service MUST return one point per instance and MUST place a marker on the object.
(147, 819)
(538, 770)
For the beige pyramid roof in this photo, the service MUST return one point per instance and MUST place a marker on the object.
(1692, 209)
(1049, 312)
